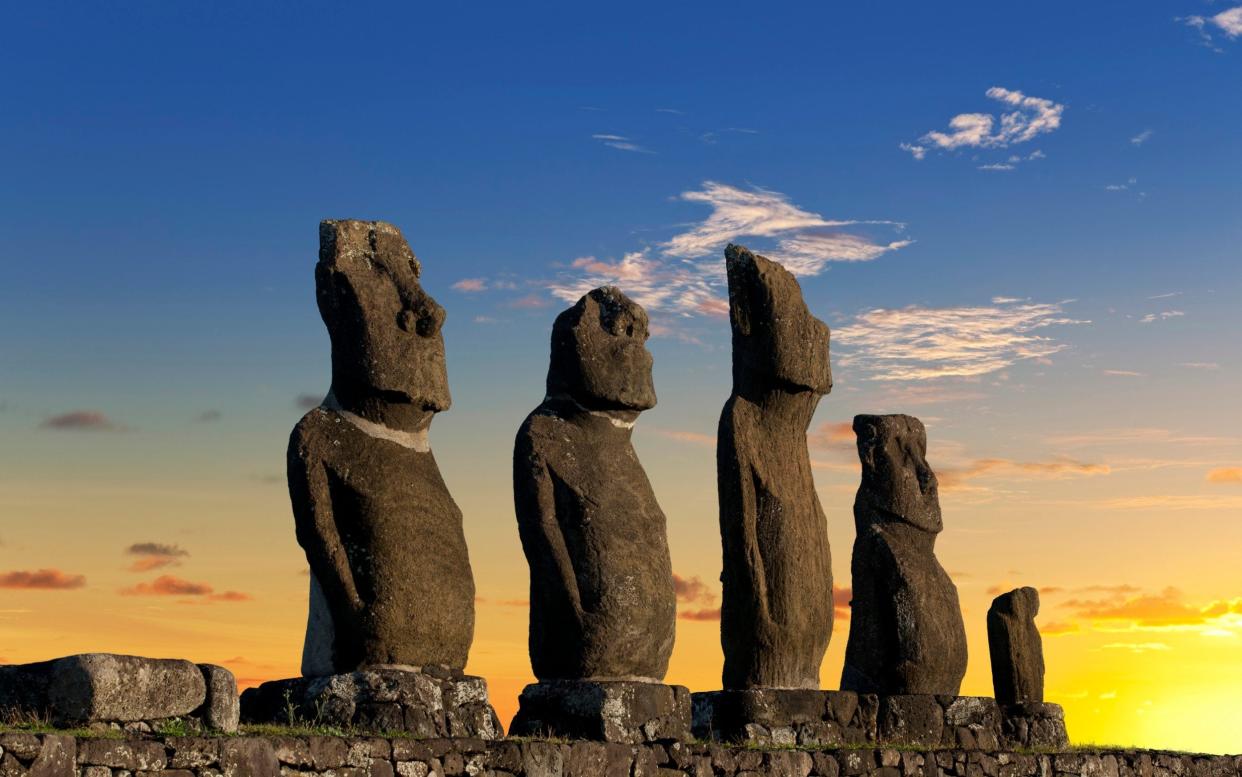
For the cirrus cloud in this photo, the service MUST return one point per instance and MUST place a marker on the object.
(1030, 117)
(917, 343)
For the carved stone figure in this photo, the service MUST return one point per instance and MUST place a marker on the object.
(776, 618)
(906, 631)
(1016, 648)
(601, 582)
(390, 575)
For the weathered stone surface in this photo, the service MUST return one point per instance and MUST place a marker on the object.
(776, 618)
(248, 757)
(122, 754)
(906, 630)
(391, 582)
(103, 687)
(221, 710)
(1016, 648)
(383, 699)
(57, 757)
(608, 711)
(601, 581)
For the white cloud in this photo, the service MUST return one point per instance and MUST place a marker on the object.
(1228, 22)
(997, 166)
(917, 343)
(1030, 117)
(685, 273)
(1162, 316)
(470, 285)
(1142, 137)
(621, 143)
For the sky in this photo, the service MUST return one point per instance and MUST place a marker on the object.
(1022, 225)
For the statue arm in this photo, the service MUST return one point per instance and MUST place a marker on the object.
(311, 497)
(542, 538)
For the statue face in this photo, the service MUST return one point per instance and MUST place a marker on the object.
(599, 353)
(776, 341)
(896, 477)
(385, 330)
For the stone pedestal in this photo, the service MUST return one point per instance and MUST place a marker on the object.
(604, 710)
(1035, 726)
(426, 703)
(778, 716)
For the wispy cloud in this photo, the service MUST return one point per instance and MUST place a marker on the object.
(1162, 316)
(470, 285)
(155, 555)
(1029, 118)
(695, 599)
(168, 585)
(41, 580)
(1230, 475)
(917, 343)
(685, 273)
(957, 478)
(82, 421)
(1163, 611)
(208, 416)
(621, 143)
(1142, 137)
(308, 401)
(1124, 373)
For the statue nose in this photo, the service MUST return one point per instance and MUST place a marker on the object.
(425, 320)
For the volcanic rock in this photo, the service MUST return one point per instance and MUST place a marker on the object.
(777, 611)
(1016, 648)
(601, 582)
(906, 631)
(391, 582)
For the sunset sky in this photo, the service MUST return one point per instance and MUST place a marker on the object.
(1023, 225)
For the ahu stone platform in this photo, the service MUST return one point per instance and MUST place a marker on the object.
(50, 755)
(604, 710)
(791, 717)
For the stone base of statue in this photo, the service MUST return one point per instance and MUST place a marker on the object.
(1035, 725)
(785, 716)
(630, 712)
(425, 703)
(776, 716)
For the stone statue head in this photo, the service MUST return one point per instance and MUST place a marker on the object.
(599, 353)
(385, 330)
(897, 482)
(777, 343)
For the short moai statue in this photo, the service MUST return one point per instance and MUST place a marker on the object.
(1017, 651)
(391, 588)
(603, 607)
(777, 607)
(777, 611)
(906, 630)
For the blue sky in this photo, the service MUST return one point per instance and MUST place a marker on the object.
(1054, 293)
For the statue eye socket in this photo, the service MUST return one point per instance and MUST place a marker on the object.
(629, 331)
(408, 321)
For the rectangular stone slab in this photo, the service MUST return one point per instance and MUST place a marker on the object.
(604, 710)
(104, 687)
(425, 704)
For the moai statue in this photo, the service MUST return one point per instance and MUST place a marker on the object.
(776, 618)
(1016, 648)
(391, 589)
(906, 631)
(603, 608)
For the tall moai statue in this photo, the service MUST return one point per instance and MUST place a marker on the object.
(391, 589)
(1017, 650)
(777, 611)
(906, 630)
(602, 603)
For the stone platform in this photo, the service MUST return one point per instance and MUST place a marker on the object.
(604, 711)
(105, 690)
(428, 703)
(808, 718)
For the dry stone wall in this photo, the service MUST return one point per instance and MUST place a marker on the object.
(61, 755)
